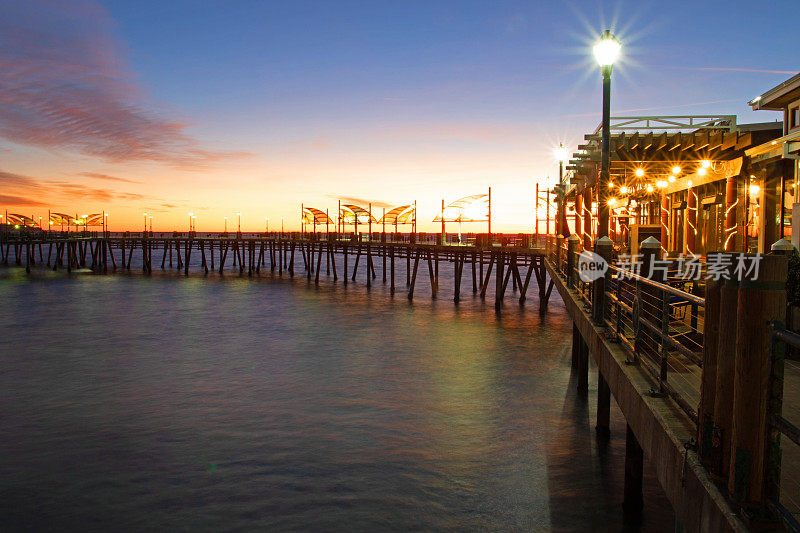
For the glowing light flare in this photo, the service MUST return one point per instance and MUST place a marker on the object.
(639, 172)
(623, 190)
(705, 163)
(701, 171)
(671, 179)
(649, 188)
(676, 170)
(612, 202)
(661, 184)
(607, 50)
(561, 154)
(754, 189)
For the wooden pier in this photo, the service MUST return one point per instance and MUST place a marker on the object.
(515, 260)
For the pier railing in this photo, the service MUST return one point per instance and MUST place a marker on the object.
(782, 465)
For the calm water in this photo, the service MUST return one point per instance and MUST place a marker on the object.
(171, 403)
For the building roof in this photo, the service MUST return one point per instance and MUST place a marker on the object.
(779, 96)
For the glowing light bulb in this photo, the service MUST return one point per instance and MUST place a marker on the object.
(612, 202)
(705, 163)
(671, 179)
(754, 189)
(649, 188)
(661, 184)
(607, 49)
(610, 184)
(639, 172)
(689, 183)
(623, 190)
(676, 170)
(701, 171)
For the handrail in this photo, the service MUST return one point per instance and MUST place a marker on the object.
(662, 286)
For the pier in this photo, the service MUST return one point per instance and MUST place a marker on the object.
(513, 260)
(703, 380)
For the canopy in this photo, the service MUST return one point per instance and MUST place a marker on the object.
(474, 208)
(398, 215)
(356, 214)
(312, 215)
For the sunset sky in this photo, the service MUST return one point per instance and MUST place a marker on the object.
(216, 107)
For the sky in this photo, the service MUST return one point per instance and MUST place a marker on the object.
(220, 107)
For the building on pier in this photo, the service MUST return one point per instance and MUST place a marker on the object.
(697, 183)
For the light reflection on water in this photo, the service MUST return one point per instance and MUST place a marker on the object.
(164, 402)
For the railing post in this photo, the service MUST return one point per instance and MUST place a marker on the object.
(572, 259)
(648, 295)
(559, 255)
(604, 247)
(760, 301)
(708, 377)
(726, 360)
(772, 463)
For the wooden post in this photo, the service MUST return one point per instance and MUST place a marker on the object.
(691, 221)
(723, 391)
(634, 473)
(708, 378)
(760, 302)
(603, 427)
(730, 213)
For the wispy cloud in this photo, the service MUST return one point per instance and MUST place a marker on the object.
(106, 177)
(63, 86)
(28, 190)
(729, 69)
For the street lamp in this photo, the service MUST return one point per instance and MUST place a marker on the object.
(191, 215)
(226, 224)
(606, 52)
(145, 222)
(266, 224)
(240, 222)
(561, 155)
(281, 226)
(150, 218)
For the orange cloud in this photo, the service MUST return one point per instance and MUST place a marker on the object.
(61, 88)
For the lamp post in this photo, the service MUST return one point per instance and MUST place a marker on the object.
(226, 224)
(145, 222)
(606, 52)
(281, 226)
(561, 155)
(239, 229)
(190, 221)
(266, 224)
(150, 218)
(105, 223)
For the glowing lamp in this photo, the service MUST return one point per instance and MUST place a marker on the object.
(649, 188)
(661, 184)
(610, 184)
(689, 183)
(612, 202)
(671, 179)
(676, 170)
(639, 172)
(701, 171)
(754, 189)
(705, 163)
(607, 49)
(623, 190)
(561, 154)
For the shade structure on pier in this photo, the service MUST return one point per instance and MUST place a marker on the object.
(402, 214)
(20, 220)
(474, 208)
(63, 219)
(312, 215)
(356, 214)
